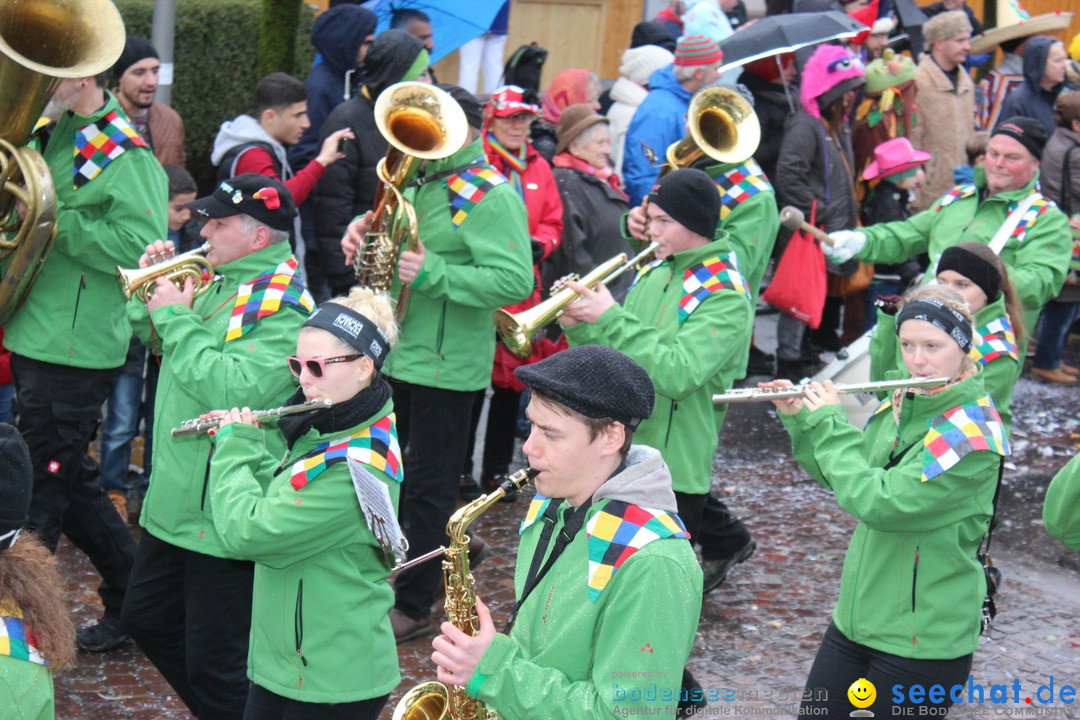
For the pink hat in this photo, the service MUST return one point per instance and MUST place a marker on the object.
(894, 156)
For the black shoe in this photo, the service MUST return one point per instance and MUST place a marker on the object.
(468, 489)
(692, 700)
(101, 637)
(716, 571)
(760, 363)
(794, 370)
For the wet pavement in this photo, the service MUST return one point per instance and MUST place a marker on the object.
(760, 630)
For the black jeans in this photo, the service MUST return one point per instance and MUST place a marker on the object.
(265, 705)
(840, 662)
(433, 428)
(59, 409)
(191, 614)
(711, 525)
(499, 433)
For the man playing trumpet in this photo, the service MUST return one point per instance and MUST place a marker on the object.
(188, 604)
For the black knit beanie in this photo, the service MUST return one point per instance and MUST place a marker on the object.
(135, 49)
(691, 198)
(16, 483)
(1029, 132)
(595, 381)
(974, 268)
(474, 111)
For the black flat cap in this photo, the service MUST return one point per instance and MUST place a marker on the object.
(595, 381)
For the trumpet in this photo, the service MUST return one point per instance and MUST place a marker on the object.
(139, 282)
(516, 330)
(197, 426)
(744, 395)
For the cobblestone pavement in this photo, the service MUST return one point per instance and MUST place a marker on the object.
(760, 630)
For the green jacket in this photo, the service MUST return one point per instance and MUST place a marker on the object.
(999, 371)
(448, 333)
(688, 360)
(26, 690)
(74, 313)
(751, 221)
(201, 372)
(1037, 264)
(320, 623)
(571, 656)
(911, 584)
(1061, 512)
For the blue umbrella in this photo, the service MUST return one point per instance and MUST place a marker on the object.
(453, 22)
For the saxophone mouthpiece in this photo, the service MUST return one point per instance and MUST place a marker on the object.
(518, 481)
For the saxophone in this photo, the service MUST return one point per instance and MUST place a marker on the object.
(433, 700)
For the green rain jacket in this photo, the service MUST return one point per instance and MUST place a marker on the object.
(200, 372)
(1061, 513)
(688, 359)
(26, 690)
(74, 313)
(997, 355)
(573, 656)
(320, 623)
(911, 583)
(469, 271)
(1036, 263)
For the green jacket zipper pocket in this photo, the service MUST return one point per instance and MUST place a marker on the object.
(671, 421)
(206, 480)
(78, 297)
(298, 621)
(441, 331)
(914, 578)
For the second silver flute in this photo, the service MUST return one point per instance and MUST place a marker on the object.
(743, 395)
(195, 426)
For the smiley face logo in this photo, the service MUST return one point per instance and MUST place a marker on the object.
(862, 693)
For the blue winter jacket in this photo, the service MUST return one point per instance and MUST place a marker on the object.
(659, 121)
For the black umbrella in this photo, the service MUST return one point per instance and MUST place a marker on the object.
(780, 34)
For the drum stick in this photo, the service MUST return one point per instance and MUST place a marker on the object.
(793, 219)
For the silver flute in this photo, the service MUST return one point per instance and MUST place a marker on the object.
(743, 395)
(196, 426)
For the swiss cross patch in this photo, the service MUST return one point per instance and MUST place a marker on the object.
(647, 648)
(53, 468)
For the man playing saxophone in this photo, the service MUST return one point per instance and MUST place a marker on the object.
(474, 257)
(602, 550)
(188, 604)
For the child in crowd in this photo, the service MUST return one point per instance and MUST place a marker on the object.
(898, 169)
(976, 153)
(183, 230)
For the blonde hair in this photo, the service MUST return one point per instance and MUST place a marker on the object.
(951, 299)
(377, 307)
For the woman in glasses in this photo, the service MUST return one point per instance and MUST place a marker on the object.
(320, 630)
(921, 481)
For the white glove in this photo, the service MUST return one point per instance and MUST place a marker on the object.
(846, 245)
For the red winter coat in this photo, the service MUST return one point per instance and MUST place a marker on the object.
(544, 205)
(5, 362)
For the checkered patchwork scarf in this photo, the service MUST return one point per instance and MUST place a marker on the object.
(265, 295)
(101, 142)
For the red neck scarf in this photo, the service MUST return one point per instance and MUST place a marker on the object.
(567, 160)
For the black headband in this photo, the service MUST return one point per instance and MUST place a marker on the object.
(974, 268)
(941, 316)
(353, 329)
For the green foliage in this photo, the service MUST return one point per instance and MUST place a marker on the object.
(216, 50)
(277, 35)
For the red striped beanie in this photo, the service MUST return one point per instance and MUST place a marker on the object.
(697, 50)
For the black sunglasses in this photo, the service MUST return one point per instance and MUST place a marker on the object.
(315, 365)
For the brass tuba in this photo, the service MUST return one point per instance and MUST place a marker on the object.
(433, 700)
(421, 122)
(720, 123)
(41, 42)
(178, 269)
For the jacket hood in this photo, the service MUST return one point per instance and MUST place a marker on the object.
(628, 92)
(1036, 50)
(664, 79)
(338, 34)
(645, 481)
(391, 54)
(241, 130)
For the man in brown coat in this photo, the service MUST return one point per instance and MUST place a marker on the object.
(136, 75)
(945, 96)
